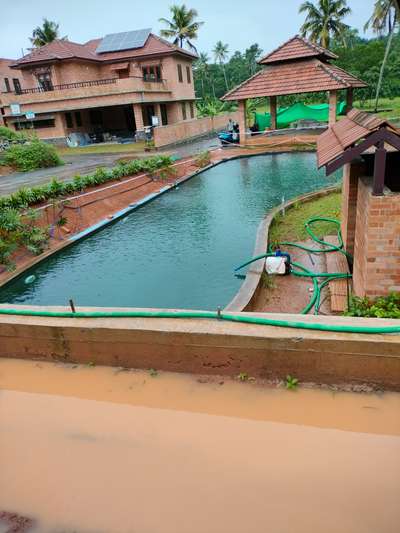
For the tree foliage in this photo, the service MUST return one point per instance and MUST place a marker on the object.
(183, 26)
(324, 20)
(48, 32)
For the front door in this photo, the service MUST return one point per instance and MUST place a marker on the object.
(148, 112)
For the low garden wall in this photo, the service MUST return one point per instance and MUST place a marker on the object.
(180, 131)
(206, 346)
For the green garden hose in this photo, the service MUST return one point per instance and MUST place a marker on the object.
(245, 319)
(315, 301)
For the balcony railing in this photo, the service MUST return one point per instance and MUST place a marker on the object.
(80, 84)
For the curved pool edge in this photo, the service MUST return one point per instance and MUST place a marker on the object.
(243, 299)
(34, 261)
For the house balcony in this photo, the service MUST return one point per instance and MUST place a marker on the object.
(65, 94)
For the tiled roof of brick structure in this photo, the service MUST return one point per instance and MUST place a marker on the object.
(297, 48)
(307, 75)
(63, 49)
(355, 126)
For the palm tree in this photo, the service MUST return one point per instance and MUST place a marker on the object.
(384, 16)
(325, 20)
(221, 53)
(183, 27)
(45, 34)
(201, 68)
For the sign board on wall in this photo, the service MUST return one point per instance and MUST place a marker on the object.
(15, 109)
(30, 115)
(154, 121)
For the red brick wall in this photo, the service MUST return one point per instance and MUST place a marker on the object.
(377, 242)
(351, 175)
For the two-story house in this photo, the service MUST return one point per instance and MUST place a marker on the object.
(107, 87)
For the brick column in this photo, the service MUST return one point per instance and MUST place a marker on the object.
(157, 111)
(137, 109)
(272, 109)
(376, 269)
(351, 174)
(332, 107)
(242, 121)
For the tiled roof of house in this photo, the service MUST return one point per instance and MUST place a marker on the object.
(63, 49)
(355, 126)
(307, 75)
(297, 48)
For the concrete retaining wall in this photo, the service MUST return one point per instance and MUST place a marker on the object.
(210, 346)
(188, 129)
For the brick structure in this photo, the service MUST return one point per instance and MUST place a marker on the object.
(10, 80)
(369, 149)
(75, 87)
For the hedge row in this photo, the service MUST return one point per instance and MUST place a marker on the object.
(26, 197)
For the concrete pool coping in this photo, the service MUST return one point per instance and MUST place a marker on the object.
(209, 346)
(242, 301)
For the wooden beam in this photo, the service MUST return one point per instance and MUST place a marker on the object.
(242, 121)
(353, 152)
(273, 111)
(349, 99)
(332, 107)
(379, 169)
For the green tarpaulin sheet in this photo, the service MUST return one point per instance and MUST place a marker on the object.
(288, 115)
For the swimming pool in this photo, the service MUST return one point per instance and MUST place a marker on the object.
(178, 251)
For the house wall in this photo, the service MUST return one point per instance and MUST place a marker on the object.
(376, 269)
(10, 74)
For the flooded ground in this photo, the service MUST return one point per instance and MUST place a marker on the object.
(93, 450)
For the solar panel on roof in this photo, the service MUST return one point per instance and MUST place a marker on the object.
(114, 42)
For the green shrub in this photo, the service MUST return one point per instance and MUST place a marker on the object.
(7, 134)
(32, 155)
(383, 307)
(20, 230)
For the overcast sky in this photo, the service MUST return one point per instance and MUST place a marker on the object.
(238, 23)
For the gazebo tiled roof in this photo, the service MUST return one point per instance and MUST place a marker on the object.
(297, 66)
(297, 48)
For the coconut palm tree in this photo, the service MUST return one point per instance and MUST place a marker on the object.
(45, 34)
(221, 53)
(201, 68)
(384, 16)
(324, 20)
(183, 27)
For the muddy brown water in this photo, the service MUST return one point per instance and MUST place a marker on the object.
(93, 450)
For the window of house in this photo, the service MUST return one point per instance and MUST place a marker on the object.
(78, 119)
(180, 75)
(68, 120)
(191, 106)
(17, 85)
(151, 73)
(37, 124)
(44, 80)
(183, 105)
(188, 74)
(7, 84)
(164, 114)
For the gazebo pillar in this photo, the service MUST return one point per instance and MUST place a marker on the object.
(349, 99)
(332, 107)
(273, 111)
(242, 121)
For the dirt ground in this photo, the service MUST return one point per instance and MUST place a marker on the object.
(290, 294)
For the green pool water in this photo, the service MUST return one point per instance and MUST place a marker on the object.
(178, 251)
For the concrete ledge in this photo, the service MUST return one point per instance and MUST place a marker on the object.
(209, 346)
(247, 293)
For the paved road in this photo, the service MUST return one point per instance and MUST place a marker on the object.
(86, 163)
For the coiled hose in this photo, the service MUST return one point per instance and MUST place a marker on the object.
(303, 272)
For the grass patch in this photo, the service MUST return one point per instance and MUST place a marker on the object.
(102, 149)
(290, 227)
(390, 107)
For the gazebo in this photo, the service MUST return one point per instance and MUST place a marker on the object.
(297, 66)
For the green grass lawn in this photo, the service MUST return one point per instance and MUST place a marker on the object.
(103, 149)
(290, 227)
(388, 107)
